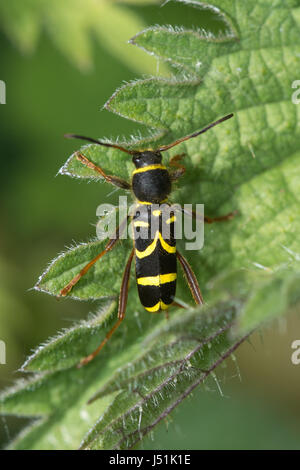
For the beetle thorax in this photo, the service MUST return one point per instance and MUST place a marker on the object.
(150, 180)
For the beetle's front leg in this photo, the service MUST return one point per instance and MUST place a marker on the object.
(120, 183)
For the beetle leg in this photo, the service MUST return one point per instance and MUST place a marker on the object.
(210, 220)
(180, 169)
(121, 312)
(191, 279)
(176, 304)
(222, 218)
(109, 178)
(109, 246)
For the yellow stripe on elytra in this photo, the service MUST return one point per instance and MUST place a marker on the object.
(171, 219)
(166, 246)
(164, 278)
(164, 306)
(159, 306)
(149, 168)
(149, 250)
(148, 281)
(156, 280)
(140, 223)
(156, 213)
(153, 309)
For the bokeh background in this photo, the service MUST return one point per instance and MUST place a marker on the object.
(253, 402)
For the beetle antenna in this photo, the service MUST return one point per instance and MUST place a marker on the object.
(195, 134)
(104, 144)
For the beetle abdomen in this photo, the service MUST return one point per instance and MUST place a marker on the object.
(155, 257)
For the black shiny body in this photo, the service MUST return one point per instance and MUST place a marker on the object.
(153, 226)
(155, 256)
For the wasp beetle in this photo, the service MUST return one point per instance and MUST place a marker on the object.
(155, 256)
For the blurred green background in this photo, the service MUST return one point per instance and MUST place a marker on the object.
(47, 96)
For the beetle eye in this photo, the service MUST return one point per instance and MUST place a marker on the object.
(136, 159)
(158, 157)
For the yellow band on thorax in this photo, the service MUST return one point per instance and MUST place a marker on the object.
(158, 166)
(151, 203)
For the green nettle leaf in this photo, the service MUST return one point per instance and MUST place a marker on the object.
(248, 268)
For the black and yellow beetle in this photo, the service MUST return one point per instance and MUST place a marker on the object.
(155, 256)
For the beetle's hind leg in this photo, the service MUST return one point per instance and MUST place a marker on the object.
(109, 246)
(121, 312)
(222, 218)
(191, 279)
(180, 169)
(120, 183)
(210, 220)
